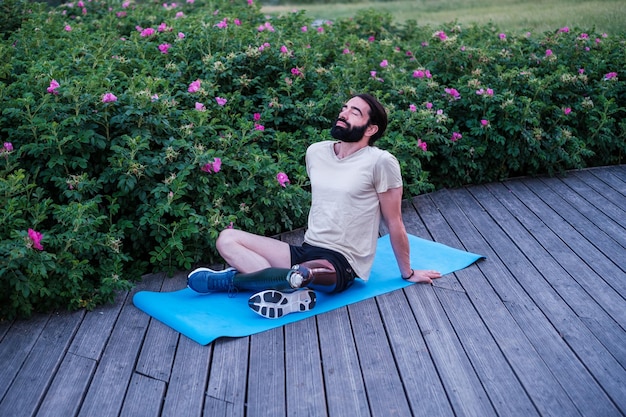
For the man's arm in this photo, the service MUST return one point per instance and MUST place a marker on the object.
(391, 208)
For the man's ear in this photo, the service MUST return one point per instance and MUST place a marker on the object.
(371, 130)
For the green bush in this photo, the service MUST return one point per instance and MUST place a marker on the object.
(133, 133)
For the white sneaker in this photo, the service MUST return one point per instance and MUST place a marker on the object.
(273, 304)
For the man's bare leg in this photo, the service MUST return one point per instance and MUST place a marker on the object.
(248, 252)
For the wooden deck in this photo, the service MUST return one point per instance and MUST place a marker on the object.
(537, 329)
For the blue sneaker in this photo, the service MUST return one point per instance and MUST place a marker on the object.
(204, 280)
(273, 304)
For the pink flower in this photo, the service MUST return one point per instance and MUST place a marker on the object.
(250, 2)
(256, 117)
(179, 15)
(581, 71)
(296, 72)
(564, 29)
(259, 127)
(266, 26)
(164, 47)
(456, 136)
(346, 51)
(384, 63)
(502, 36)
(200, 107)
(429, 105)
(304, 28)
(147, 32)
(548, 52)
(7, 147)
(484, 122)
(68, 28)
(567, 110)
(284, 50)
(220, 101)
(53, 87)
(412, 107)
(181, 35)
(490, 92)
(194, 86)
(453, 92)
(422, 145)
(213, 167)
(35, 238)
(162, 27)
(237, 22)
(223, 24)
(441, 35)
(282, 179)
(109, 98)
(610, 75)
(418, 74)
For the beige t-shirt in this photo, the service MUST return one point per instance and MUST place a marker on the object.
(345, 212)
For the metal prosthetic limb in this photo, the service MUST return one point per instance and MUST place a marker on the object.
(316, 275)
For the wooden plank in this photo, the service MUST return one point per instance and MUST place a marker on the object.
(344, 386)
(574, 376)
(576, 238)
(226, 392)
(618, 171)
(381, 377)
(612, 178)
(16, 346)
(187, 384)
(159, 347)
(465, 391)
(420, 379)
(591, 298)
(607, 196)
(68, 387)
(266, 377)
(95, 330)
(501, 384)
(29, 386)
(5, 325)
(144, 397)
(592, 206)
(492, 289)
(112, 378)
(303, 371)
(599, 238)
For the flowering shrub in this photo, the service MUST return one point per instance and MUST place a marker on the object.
(132, 134)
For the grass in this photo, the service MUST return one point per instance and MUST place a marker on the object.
(510, 15)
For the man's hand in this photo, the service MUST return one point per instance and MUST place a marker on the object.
(424, 276)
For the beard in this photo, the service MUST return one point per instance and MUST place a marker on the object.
(348, 133)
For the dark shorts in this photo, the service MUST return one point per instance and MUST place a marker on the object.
(306, 252)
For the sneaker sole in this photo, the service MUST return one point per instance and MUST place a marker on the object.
(273, 304)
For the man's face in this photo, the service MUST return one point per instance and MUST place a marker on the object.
(352, 122)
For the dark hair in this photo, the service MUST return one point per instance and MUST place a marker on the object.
(378, 116)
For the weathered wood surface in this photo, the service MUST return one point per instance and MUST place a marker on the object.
(537, 329)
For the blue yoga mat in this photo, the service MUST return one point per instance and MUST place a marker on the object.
(205, 317)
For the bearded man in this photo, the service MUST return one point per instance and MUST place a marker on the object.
(354, 186)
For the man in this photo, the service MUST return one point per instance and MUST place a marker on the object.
(353, 184)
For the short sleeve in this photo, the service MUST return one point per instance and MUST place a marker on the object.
(387, 174)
